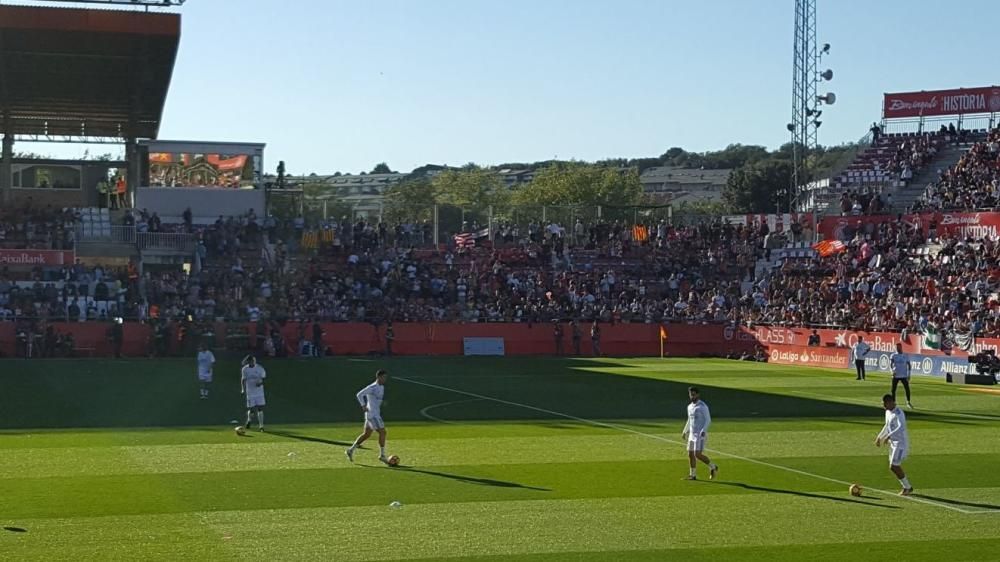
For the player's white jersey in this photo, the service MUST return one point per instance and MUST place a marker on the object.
(253, 379)
(698, 420)
(372, 396)
(894, 430)
(205, 361)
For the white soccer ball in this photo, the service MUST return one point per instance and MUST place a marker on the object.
(395, 505)
(240, 430)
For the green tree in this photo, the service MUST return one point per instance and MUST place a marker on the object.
(577, 183)
(472, 188)
(409, 200)
(759, 187)
(381, 168)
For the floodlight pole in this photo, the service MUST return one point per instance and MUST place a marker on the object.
(805, 58)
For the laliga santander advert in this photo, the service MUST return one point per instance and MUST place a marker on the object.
(833, 357)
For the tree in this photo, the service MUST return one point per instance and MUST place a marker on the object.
(472, 188)
(381, 168)
(576, 183)
(409, 200)
(759, 187)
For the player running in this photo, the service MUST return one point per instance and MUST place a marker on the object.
(696, 434)
(205, 361)
(252, 384)
(894, 433)
(901, 373)
(370, 398)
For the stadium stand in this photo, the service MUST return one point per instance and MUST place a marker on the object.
(971, 184)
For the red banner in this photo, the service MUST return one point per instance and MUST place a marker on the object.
(36, 257)
(962, 101)
(959, 225)
(832, 357)
(682, 340)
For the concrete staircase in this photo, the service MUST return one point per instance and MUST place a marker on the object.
(904, 197)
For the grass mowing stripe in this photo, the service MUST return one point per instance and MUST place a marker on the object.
(675, 442)
(916, 410)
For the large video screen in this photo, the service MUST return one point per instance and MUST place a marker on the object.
(169, 169)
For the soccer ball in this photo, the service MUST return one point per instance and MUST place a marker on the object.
(240, 430)
(856, 490)
(392, 460)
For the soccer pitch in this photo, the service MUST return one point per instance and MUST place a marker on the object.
(502, 459)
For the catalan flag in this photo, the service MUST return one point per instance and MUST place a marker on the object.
(640, 233)
(829, 247)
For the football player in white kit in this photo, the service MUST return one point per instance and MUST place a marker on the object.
(205, 361)
(894, 433)
(252, 384)
(370, 398)
(696, 434)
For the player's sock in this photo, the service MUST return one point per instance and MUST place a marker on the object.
(694, 472)
(905, 482)
(381, 451)
(260, 419)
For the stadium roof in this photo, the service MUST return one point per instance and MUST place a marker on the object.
(84, 73)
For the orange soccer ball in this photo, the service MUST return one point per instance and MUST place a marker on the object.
(392, 461)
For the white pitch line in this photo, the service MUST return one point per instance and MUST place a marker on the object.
(423, 412)
(674, 442)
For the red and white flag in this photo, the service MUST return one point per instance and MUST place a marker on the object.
(829, 247)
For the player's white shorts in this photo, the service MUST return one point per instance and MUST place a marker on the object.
(205, 377)
(374, 422)
(697, 443)
(897, 454)
(255, 399)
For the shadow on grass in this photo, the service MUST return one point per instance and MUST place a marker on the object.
(50, 394)
(961, 503)
(466, 479)
(309, 438)
(15, 529)
(805, 494)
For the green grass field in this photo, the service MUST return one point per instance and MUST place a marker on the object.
(503, 459)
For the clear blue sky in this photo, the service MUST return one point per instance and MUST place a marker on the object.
(335, 85)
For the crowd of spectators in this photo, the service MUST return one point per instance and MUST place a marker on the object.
(890, 276)
(30, 226)
(971, 184)
(864, 202)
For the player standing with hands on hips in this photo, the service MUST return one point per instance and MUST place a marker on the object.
(860, 351)
(252, 384)
(370, 398)
(900, 373)
(894, 433)
(696, 434)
